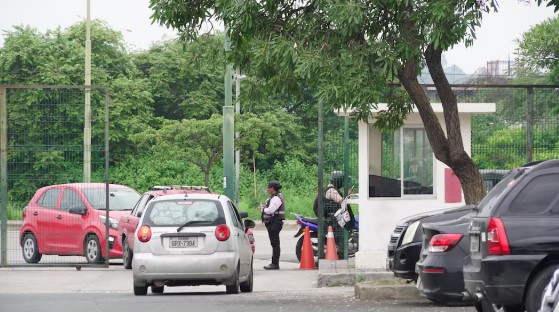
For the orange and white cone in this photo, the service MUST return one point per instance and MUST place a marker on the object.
(331, 253)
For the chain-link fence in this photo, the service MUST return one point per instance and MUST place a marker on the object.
(54, 177)
(524, 128)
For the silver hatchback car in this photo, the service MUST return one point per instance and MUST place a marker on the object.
(190, 240)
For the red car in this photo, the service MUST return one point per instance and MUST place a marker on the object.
(128, 223)
(70, 220)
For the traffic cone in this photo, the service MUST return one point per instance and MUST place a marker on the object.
(307, 257)
(331, 253)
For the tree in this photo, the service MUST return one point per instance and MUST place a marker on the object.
(345, 51)
(538, 49)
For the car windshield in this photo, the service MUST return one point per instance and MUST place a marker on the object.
(187, 213)
(119, 198)
(495, 194)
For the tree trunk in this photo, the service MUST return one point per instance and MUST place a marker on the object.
(207, 177)
(447, 148)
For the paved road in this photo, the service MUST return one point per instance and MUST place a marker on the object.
(325, 300)
(37, 289)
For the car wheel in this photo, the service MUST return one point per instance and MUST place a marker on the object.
(247, 286)
(126, 254)
(234, 288)
(92, 250)
(140, 290)
(536, 287)
(30, 249)
(314, 243)
(157, 289)
(486, 306)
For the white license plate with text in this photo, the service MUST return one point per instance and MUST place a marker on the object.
(474, 243)
(183, 242)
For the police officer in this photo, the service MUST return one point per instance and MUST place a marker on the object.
(273, 215)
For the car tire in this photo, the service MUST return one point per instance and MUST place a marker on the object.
(140, 290)
(235, 287)
(30, 249)
(536, 287)
(126, 254)
(248, 285)
(299, 246)
(157, 290)
(486, 306)
(92, 249)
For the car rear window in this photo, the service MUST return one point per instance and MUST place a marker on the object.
(491, 199)
(119, 198)
(176, 213)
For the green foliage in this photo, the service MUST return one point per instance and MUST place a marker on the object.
(538, 49)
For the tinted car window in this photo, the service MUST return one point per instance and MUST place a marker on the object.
(119, 198)
(49, 198)
(180, 212)
(234, 217)
(71, 199)
(496, 193)
(141, 205)
(537, 196)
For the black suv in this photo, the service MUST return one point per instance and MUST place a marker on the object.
(514, 240)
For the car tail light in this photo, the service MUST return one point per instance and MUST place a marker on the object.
(444, 242)
(251, 238)
(222, 232)
(497, 242)
(144, 234)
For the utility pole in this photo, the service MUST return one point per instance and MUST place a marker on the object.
(237, 151)
(228, 128)
(87, 108)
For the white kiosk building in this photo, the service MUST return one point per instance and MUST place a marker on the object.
(399, 177)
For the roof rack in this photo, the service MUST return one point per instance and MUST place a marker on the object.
(180, 187)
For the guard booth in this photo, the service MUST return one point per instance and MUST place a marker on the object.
(399, 177)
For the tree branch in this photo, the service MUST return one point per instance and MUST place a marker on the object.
(448, 100)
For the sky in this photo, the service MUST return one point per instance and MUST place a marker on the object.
(495, 37)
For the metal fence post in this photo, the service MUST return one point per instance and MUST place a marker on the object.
(346, 174)
(320, 180)
(107, 178)
(4, 176)
(529, 124)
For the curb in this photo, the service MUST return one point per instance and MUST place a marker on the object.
(370, 291)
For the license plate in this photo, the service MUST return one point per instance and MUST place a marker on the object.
(474, 243)
(183, 242)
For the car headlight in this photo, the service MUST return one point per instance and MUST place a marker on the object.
(410, 233)
(113, 223)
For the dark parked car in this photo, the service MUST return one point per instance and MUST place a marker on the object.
(514, 240)
(406, 240)
(445, 244)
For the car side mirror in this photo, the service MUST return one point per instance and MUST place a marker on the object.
(249, 224)
(243, 214)
(78, 210)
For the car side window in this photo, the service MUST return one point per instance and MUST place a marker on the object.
(71, 199)
(235, 216)
(537, 196)
(142, 203)
(49, 198)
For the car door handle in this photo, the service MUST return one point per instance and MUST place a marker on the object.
(35, 213)
(59, 217)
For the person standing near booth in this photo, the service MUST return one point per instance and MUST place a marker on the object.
(273, 214)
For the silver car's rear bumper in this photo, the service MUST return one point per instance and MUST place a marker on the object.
(219, 267)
